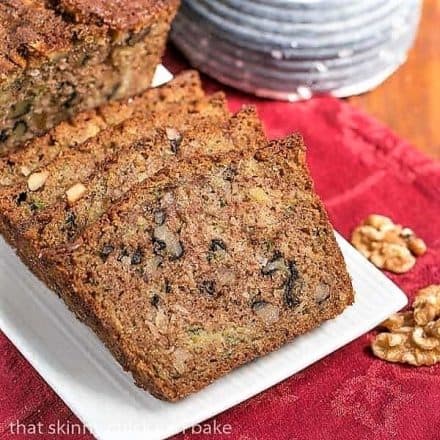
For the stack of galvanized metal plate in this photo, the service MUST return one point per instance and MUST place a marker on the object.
(292, 49)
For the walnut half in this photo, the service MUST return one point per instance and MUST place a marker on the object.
(387, 245)
(413, 337)
(399, 347)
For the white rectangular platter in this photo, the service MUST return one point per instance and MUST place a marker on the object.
(83, 373)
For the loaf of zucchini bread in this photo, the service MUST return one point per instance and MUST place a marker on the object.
(184, 89)
(59, 57)
(64, 176)
(205, 266)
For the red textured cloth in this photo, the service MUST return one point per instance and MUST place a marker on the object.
(359, 167)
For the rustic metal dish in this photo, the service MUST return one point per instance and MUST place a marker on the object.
(291, 50)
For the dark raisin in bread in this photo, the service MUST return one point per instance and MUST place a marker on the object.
(185, 88)
(165, 147)
(20, 202)
(205, 267)
(60, 57)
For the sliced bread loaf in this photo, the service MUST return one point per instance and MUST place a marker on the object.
(163, 148)
(61, 57)
(205, 267)
(21, 201)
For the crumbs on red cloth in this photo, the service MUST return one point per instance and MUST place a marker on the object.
(359, 167)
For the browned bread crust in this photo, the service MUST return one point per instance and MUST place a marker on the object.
(35, 29)
(58, 57)
(117, 14)
(205, 267)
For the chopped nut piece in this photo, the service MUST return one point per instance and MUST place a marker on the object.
(166, 240)
(172, 134)
(37, 180)
(25, 170)
(180, 358)
(75, 193)
(20, 109)
(274, 264)
(387, 245)
(267, 312)
(161, 320)
(322, 292)
(175, 139)
(20, 129)
(258, 194)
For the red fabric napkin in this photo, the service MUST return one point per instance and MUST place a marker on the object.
(360, 167)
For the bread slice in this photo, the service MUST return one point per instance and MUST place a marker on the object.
(205, 267)
(20, 202)
(60, 57)
(163, 147)
(184, 89)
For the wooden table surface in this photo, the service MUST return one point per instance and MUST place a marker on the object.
(409, 101)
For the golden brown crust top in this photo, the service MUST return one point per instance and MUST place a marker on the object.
(27, 29)
(37, 29)
(118, 14)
